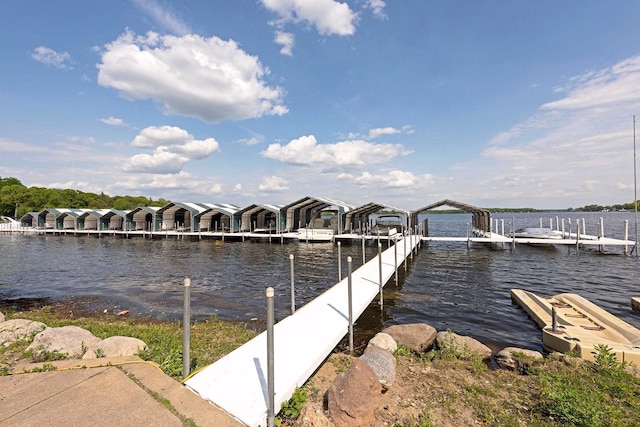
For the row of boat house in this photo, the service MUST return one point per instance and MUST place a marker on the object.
(308, 212)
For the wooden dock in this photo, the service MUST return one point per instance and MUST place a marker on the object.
(237, 382)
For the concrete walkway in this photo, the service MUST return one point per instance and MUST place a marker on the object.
(124, 391)
(237, 382)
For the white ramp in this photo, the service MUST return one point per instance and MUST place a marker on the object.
(237, 382)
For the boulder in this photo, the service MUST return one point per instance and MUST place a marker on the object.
(114, 347)
(417, 337)
(517, 359)
(1, 317)
(462, 347)
(18, 329)
(383, 364)
(70, 340)
(384, 341)
(354, 396)
(311, 417)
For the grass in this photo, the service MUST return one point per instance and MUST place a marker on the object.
(210, 339)
(559, 391)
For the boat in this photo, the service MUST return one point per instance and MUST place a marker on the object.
(9, 224)
(322, 228)
(571, 323)
(388, 225)
(537, 233)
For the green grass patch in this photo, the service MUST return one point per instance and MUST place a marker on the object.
(210, 339)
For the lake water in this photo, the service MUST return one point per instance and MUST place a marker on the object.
(447, 285)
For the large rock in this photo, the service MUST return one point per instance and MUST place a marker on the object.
(383, 364)
(18, 329)
(114, 347)
(384, 341)
(417, 337)
(517, 359)
(70, 340)
(1, 317)
(462, 347)
(354, 396)
(312, 417)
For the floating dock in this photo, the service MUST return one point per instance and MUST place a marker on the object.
(579, 326)
(302, 341)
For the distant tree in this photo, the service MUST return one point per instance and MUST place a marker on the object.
(11, 197)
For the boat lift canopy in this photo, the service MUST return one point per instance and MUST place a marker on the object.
(481, 217)
(361, 214)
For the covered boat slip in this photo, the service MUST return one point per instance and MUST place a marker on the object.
(580, 325)
(237, 382)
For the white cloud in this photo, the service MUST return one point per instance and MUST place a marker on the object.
(377, 7)
(573, 151)
(208, 78)
(237, 187)
(391, 179)
(250, 141)
(113, 121)
(273, 184)
(328, 16)
(181, 182)
(163, 17)
(173, 148)
(50, 57)
(306, 151)
(375, 133)
(605, 87)
(286, 40)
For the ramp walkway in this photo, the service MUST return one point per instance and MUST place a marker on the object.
(237, 382)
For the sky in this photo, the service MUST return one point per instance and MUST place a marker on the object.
(491, 103)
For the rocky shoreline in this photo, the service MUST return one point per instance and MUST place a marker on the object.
(354, 397)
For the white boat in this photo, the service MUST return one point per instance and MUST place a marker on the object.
(320, 229)
(579, 326)
(537, 233)
(9, 224)
(388, 225)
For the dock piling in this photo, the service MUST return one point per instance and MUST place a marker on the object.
(350, 302)
(339, 261)
(380, 275)
(293, 286)
(186, 328)
(270, 361)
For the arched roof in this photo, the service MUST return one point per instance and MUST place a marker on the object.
(481, 216)
(361, 213)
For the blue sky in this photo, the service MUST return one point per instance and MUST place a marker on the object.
(492, 103)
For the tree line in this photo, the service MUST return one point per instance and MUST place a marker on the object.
(17, 199)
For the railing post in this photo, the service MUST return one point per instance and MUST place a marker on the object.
(293, 286)
(380, 275)
(350, 302)
(186, 328)
(270, 357)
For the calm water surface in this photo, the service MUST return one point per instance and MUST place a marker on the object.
(446, 285)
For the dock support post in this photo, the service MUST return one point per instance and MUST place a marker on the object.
(364, 255)
(380, 273)
(601, 232)
(270, 374)
(554, 320)
(404, 242)
(395, 256)
(626, 236)
(186, 328)
(577, 235)
(563, 236)
(293, 286)
(468, 240)
(350, 302)
(339, 262)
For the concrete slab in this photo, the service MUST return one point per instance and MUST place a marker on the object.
(123, 391)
